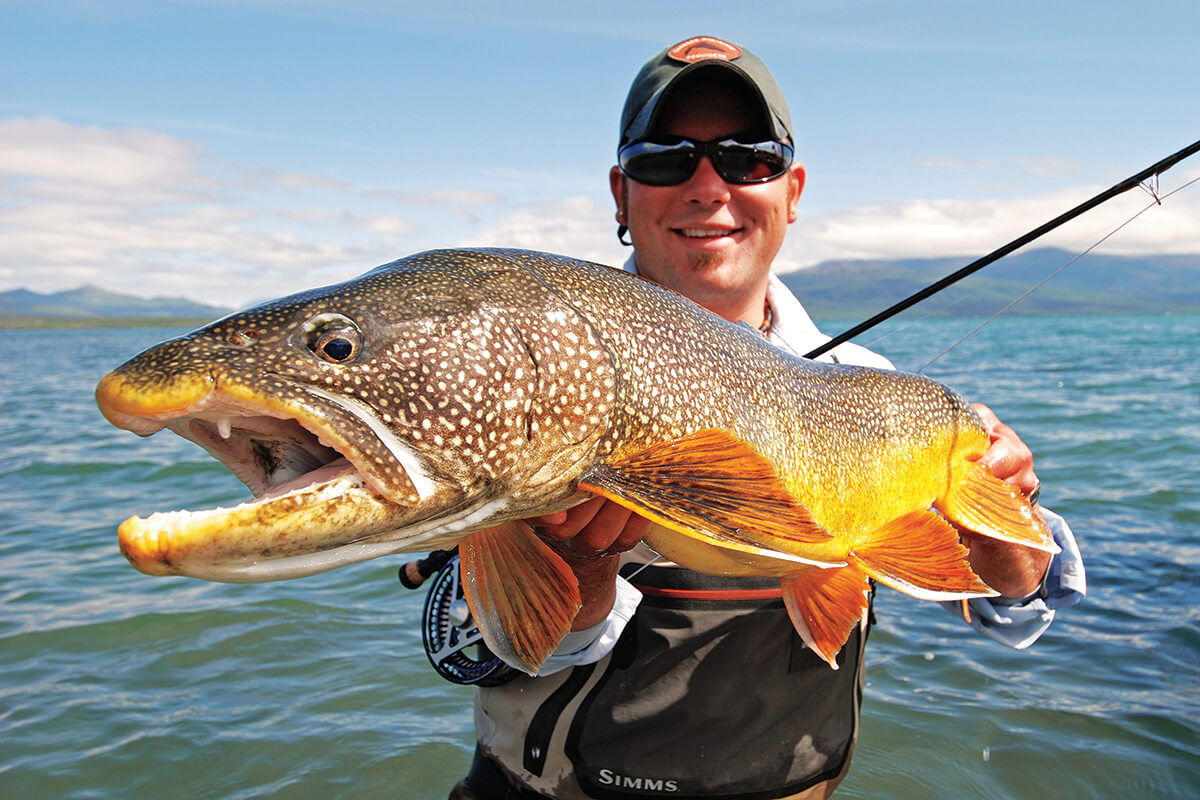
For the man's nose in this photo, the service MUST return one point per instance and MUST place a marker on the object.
(705, 185)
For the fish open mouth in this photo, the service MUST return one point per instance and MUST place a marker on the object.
(311, 502)
(272, 448)
(270, 455)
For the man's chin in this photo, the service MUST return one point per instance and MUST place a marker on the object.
(706, 260)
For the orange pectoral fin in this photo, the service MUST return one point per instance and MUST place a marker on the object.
(919, 554)
(981, 502)
(712, 483)
(824, 606)
(522, 595)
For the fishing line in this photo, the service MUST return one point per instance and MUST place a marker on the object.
(1157, 202)
(1135, 180)
(656, 560)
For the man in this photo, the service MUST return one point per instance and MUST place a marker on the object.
(705, 690)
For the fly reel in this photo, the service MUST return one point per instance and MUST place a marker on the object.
(452, 640)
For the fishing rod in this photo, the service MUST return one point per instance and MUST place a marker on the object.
(1152, 171)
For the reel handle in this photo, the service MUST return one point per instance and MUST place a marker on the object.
(415, 573)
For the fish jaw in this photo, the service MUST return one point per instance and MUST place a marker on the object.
(265, 440)
(291, 532)
(272, 536)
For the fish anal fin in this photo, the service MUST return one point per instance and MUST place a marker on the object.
(713, 482)
(919, 554)
(522, 595)
(979, 501)
(824, 606)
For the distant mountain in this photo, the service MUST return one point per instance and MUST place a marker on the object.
(833, 289)
(1093, 284)
(89, 301)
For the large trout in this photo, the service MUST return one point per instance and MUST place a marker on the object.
(439, 399)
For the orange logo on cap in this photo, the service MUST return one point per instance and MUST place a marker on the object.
(701, 48)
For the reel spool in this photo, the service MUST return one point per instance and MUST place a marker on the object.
(452, 640)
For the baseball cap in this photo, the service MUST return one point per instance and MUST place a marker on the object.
(665, 70)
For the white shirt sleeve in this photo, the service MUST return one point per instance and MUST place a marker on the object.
(1019, 622)
(592, 644)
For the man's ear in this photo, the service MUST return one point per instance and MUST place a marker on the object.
(796, 176)
(616, 183)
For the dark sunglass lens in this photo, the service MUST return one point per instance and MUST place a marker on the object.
(738, 162)
(659, 164)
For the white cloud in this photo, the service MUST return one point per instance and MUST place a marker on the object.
(458, 198)
(582, 227)
(576, 226)
(146, 213)
(51, 149)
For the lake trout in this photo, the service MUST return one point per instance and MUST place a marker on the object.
(440, 399)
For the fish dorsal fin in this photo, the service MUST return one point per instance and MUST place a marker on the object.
(825, 605)
(522, 595)
(919, 554)
(981, 502)
(713, 484)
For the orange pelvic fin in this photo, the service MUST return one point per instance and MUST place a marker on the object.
(713, 484)
(522, 595)
(981, 502)
(920, 555)
(825, 605)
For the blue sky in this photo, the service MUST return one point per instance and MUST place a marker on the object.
(234, 151)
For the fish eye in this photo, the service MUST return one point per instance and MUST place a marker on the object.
(337, 347)
(333, 338)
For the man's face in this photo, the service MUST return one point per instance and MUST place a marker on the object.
(707, 239)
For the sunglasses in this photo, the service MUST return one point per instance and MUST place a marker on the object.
(671, 161)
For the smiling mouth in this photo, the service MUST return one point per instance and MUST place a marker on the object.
(706, 233)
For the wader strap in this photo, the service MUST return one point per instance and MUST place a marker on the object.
(673, 583)
(541, 727)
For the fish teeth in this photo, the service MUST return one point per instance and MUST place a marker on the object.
(224, 427)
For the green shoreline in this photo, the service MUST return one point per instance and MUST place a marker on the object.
(8, 322)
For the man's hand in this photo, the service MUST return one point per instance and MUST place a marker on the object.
(594, 528)
(1011, 569)
(590, 537)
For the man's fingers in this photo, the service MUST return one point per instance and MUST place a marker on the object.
(594, 527)
(548, 520)
(603, 531)
(1009, 457)
(567, 524)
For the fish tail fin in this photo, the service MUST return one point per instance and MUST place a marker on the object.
(522, 595)
(825, 605)
(919, 554)
(981, 502)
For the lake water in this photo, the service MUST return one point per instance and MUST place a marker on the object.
(117, 685)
